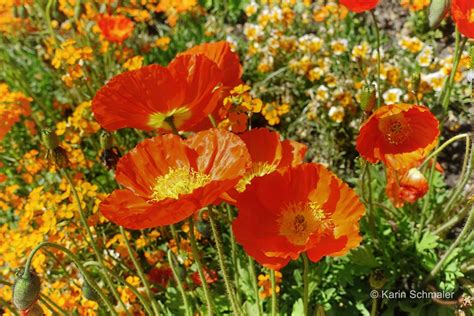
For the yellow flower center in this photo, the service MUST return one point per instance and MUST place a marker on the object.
(258, 169)
(178, 181)
(300, 220)
(178, 115)
(395, 128)
(470, 16)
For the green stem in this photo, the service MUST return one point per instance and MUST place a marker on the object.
(274, 293)
(79, 265)
(443, 146)
(253, 276)
(140, 272)
(305, 285)
(426, 200)
(446, 93)
(207, 294)
(171, 261)
(93, 243)
(124, 282)
(465, 231)
(452, 221)
(377, 35)
(373, 311)
(220, 255)
(233, 246)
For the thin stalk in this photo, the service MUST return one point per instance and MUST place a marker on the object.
(171, 262)
(465, 231)
(459, 47)
(373, 310)
(124, 282)
(426, 200)
(140, 272)
(220, 255)
(305, 285)
(253, 276)
(377, 35)
(207, 294)
(452, 221)
(79, 265)
(233, 248)
(93, 243)
(443, 146)
(274, 294)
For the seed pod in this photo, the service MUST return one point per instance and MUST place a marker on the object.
(377, 279)
(437, 12)
(26, 289)
(368, 99)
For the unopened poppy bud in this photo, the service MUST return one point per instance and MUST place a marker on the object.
(89, 293)
(437, 12)
(26, 289)
(106, 140)
(377, 280)
(110, 157)
(34, 310)
(368, 99)
(58, 156)
(415, 82)
(50, 139)
(203, 228)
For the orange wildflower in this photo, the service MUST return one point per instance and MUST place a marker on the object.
(359, 5)
(13, 105)
(115, 28)
(229, 63)
(268, 154)
(407, 187)
(463, 15)
(155, 97)
(304, 209)
(167, 178)
(399, 135)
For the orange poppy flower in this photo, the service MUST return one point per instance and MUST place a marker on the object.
(229, 63)
(305, 209)
(115, 28)
(151, 97)
(398, 135)
(268, 154)
(166, 178)
(407, 187)
(463, 15)
(358, 6)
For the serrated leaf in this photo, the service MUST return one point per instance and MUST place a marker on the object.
(297, 308)
(427, 242)
(363, 256)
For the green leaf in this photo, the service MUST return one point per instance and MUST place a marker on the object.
(363, 256)
(298, 308)
(427, 242)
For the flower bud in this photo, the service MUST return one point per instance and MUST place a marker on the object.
(415, 82)
(110, 157)
(368, 99)
(58, 156)
(377, 280)
(89, 293)
(437, 12)
(50, 139)
(34, 310)
(26, 290)
(106, 140)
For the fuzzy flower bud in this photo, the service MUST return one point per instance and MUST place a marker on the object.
(368, 98)
(377, 280)
(54, 153)
(89, 293)
(26, 290)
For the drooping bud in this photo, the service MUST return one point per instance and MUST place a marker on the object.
(54, 153)
(437, 12)
(110, 154)
(368, 98)
(26, 289)
(415, 82)
(50, 139)
(34, 310)
(89, 293)
(377, 279)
